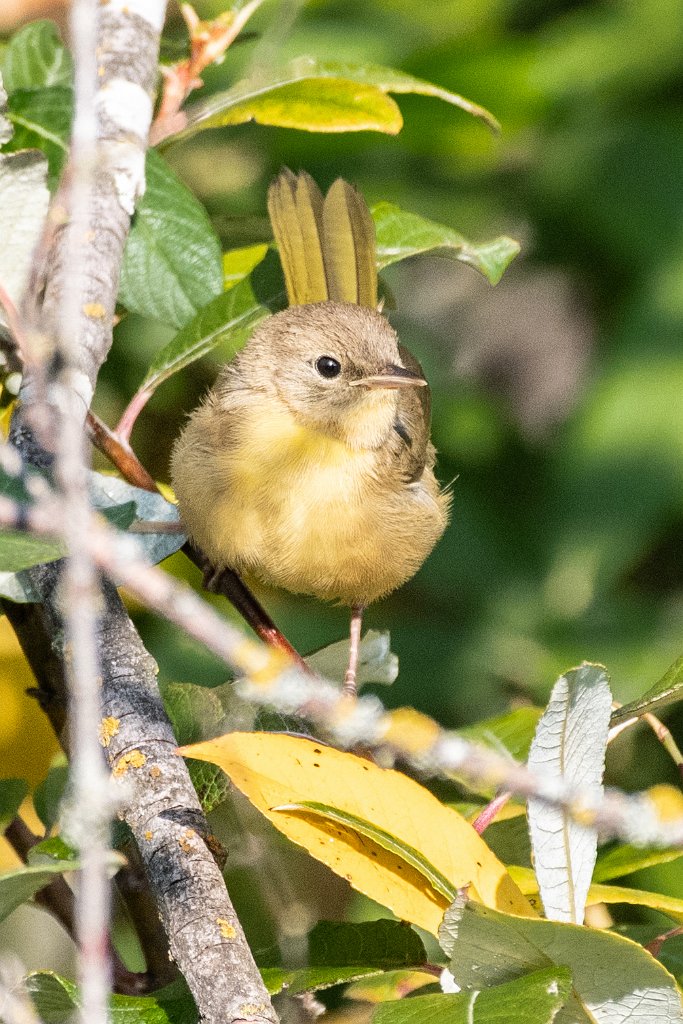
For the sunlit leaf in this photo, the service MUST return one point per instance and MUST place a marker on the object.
(624, 860)
(239, 263)
(172, 261)
(533, 999)
(36, 58)
(614, 981)
(668, 690)
(392, 81)
(379, 988)
(319, 96)
(312, 103)
(275, 770)
(401, 234)
(570, 745)
(600, 893)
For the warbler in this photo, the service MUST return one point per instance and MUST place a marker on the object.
(309, 464)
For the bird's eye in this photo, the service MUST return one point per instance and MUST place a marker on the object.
(328, 367)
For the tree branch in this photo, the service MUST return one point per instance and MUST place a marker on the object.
(158, 800)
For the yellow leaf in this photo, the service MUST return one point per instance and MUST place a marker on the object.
(275, 770)
(600, 893)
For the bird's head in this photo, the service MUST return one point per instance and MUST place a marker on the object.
(335, 365)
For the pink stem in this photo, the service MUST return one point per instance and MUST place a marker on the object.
(485, 817)
(137, 403)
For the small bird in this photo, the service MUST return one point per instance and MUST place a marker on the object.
(309, 465)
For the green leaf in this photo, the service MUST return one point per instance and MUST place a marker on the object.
(401, 235)
(599, 893)
(509, 734)
(197, 713)
(121, 516)
(376, 661)
(22, 551)
(57, 1001)
(239, 263)
(24, 199)
(119, 502)
(327, 96)
(36, 58)
(393, 81)
(533, 999)
(113, 497)
(48, 795)
(340, 952)
(52, 849)
(16, 887)
(377, 835)
(668, 690)
(228, 320)
(42, 120)
(624, 860)
(570, 744)
(311, 103)
(12, 793)
(614, 980)
(172, 261)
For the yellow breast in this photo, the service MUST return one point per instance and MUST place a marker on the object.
(301, 510)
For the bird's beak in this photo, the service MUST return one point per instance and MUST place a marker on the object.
(391, 377)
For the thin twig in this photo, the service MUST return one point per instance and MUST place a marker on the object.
(89, 821)
(271, 679)
(661, 731)
(655, 947)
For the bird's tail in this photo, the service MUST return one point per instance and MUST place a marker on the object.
(327, 245)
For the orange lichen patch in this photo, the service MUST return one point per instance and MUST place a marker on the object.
(155, 771)
(133, 759)
(149, 835)
(252, 1009)
(95, 310)
(108, 728)
(227, 930)
(184, 842)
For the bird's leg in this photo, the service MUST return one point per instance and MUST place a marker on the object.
(349, 687)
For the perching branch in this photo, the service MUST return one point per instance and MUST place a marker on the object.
(273, 681)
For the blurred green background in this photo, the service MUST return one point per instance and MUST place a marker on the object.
(557, 395)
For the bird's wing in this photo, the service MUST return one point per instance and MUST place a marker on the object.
(413, 422)
(327, 246)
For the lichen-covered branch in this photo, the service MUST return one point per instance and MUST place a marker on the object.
(67, 323)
